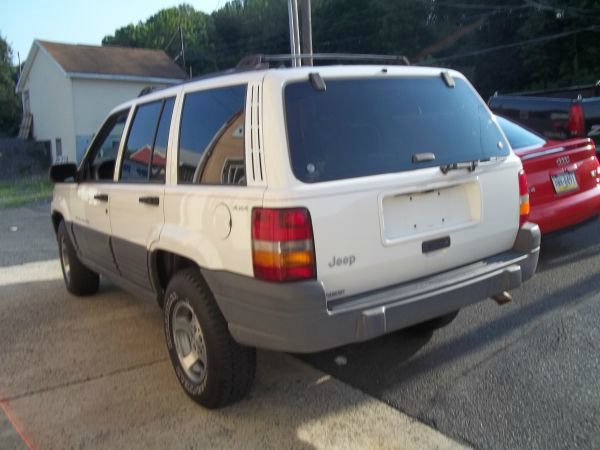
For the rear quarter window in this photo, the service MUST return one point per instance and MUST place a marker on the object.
(211, 138)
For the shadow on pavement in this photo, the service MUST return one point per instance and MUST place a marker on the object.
(426, 375)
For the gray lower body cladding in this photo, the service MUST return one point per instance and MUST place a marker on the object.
(296, 317)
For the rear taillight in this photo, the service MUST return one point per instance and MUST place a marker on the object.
(523, 198)
(595, 172)
(576, 123)
(282, 244)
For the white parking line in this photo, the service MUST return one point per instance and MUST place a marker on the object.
(35, 271)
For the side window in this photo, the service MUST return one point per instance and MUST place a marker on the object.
(144, 156)
(211, 138)
(100, 162)
(159, 155)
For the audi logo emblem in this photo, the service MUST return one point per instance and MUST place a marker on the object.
(563, 160)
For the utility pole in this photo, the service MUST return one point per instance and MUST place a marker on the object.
(306, 31)
(294, 32)
(182, 46)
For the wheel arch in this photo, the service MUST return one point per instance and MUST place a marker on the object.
(163, 264)
(57, 217)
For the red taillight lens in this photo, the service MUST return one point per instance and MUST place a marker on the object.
(576, 123)
(282, 244)
(523, 198)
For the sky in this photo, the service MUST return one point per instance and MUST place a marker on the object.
(77, 21)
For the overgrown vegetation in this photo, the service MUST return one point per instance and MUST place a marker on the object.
(9, 101)
(427, 31)
(24, 190)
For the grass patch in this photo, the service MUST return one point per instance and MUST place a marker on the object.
(24, 190)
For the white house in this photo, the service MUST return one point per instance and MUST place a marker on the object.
(67, 90)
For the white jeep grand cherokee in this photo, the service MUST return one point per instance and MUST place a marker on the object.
(296, 209)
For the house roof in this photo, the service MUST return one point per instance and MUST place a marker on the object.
(107, 62)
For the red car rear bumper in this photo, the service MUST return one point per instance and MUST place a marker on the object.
(565, 212)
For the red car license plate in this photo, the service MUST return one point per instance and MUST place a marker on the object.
(564, 182)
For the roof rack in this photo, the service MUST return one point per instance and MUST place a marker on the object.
(261, 61)
(148, 90)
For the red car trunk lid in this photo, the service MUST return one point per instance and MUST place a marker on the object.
(559, 169)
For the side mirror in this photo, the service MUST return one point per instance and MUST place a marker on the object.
(63, 173)
(106, 170)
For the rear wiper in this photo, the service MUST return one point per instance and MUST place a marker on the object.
(469, 165)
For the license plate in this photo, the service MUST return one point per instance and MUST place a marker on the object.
(564, 182)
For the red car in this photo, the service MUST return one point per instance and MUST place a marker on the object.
(563, 177)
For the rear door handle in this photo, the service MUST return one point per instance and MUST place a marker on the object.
(101, 197)
(149, 200)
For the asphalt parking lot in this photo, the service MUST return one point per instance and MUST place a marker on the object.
(93, 372)
(522, 375)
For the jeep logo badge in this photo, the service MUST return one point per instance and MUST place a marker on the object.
(342, 261)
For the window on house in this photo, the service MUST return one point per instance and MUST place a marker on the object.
(211, 138)
(26, 107)
(58, 148)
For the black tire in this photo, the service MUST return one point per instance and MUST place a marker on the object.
(79, 280)
(434, 324)
(223, 371)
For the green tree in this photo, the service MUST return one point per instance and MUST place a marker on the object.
(160, 31)
(568, 60)
(244, 27)
(9, 101)
(429, 32)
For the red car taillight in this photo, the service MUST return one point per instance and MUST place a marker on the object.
(282, 244)
(523, 198)
(576, 123)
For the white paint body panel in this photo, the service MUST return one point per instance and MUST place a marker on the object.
(349, 216)
(365, 220)
(211, 224)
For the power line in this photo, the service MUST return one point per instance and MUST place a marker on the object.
(244, 44)
(557, 9)
(550, 37)
(562, 8)
(282, 40)
(565, 10)
(481, 6)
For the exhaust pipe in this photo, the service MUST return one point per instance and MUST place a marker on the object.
(502, 298)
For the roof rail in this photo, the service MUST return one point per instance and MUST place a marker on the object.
(261, 61)
(148, 90)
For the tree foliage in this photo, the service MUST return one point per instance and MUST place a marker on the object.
(9, 101)
(161, 31)
(436, 32)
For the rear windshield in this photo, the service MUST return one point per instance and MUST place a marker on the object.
(361, 127)
(518, 136)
